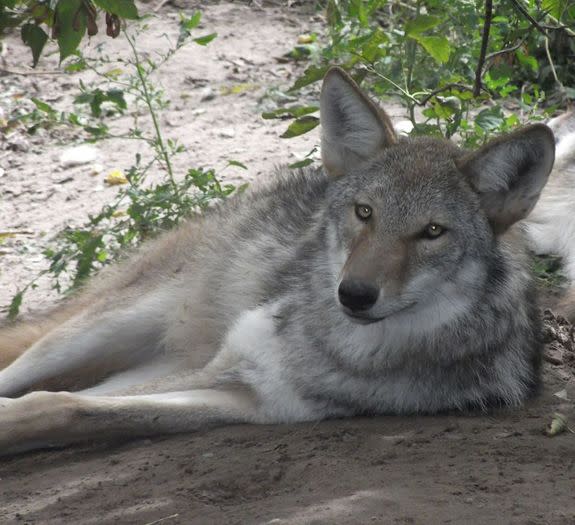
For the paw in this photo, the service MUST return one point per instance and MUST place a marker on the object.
(33, 420)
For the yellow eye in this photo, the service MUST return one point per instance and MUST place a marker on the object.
(363, 211)
(432, 231)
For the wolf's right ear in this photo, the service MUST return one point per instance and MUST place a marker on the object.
(353, 127)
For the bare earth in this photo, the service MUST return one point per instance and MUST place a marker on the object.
(498, 467)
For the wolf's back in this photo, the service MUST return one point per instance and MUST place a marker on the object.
(551, 225)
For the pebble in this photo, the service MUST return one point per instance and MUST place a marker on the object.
(18, 143)
(78, 155)
(207, 93)
(96, 169)
(227, 133)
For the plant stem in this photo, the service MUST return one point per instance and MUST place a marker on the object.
(483, 51)
(148, 99)
(383, 77)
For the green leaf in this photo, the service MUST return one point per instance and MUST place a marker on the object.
(554, 7)
(191, 23)
(333, 14)
(290, 112)
(300, 164)
(205, 40)
(237, 163)
(437, 46)
(15, 304)
(70, 20)
(43, 106)
(527, 60)
(421, 24)
(300, 126)
(122, 8)
(311, 74)
(97, 97)
(35, 38)
(490, 119)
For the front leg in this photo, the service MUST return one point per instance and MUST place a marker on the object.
(52, 419)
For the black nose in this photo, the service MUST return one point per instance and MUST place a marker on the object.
(357, 295)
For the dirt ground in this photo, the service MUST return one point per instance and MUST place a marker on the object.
(497, 467)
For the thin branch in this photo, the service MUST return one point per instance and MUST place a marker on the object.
(148, 100)
(490, 56)
(33, 72)
(517, 5)
(484, 42)
(551, 65)
(447, 87)
(370, 67)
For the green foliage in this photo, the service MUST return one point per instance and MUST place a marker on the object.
(428, 54)
(300, 126)
(140, 210)
(68, 21)
(547, 269)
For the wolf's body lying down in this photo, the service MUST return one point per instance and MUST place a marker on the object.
(393, 280)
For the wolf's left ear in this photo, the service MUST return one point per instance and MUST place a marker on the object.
(510, 172)
(353, 127)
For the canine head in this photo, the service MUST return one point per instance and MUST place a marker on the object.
(416, 221)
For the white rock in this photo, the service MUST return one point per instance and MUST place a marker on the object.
(78, 155)
(227, 133)
(96, 169)
(403, 127)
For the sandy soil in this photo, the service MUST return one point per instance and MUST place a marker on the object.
(473, 468)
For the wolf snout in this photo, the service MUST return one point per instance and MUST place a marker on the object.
(357, 295)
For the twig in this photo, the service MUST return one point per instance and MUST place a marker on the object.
(162, 519)
(517, 5)
(559, 27)
(551, 65)
(5, 71)
(160, 4)
(383, 77)
(148, 100)
(490, 56)
(447, 87)
(484, 42)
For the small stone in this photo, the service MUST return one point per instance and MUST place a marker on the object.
(207, 93)
(403, 127)
(18, 143)
(78, 155)
(227, 133)
(96, 169)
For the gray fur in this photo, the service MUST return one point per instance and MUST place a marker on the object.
(235, 316)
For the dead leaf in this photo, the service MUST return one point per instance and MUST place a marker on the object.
(116, 177)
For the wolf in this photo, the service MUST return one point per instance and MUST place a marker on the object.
(550, 227)
(394, 280)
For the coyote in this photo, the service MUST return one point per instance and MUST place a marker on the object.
(550, 227)
(394, 280)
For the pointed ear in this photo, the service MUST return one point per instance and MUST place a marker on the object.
(510, 172)
(353, 127)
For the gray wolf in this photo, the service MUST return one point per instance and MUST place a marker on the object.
(550, 227)
(392, 281)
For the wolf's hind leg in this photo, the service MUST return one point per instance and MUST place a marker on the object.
(85, 349)
(48, 419)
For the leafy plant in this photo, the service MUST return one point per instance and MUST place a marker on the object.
(138, 213)
(462, 69)
(140, 210)
(67, 21)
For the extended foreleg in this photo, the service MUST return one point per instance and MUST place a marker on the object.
(51, 419)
